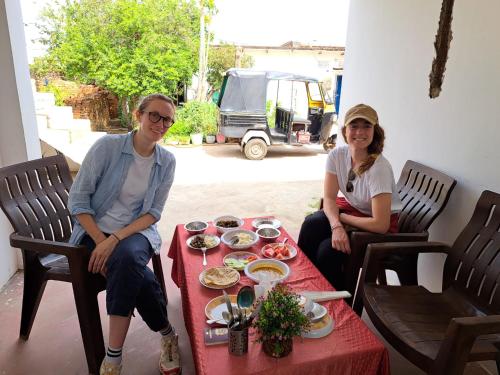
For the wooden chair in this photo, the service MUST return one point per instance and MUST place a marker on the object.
(441, 332)
(34, 197)
(424, 193)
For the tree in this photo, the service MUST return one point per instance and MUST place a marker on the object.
(222, 58)
(130, 47)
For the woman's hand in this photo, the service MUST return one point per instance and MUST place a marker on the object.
(101, 254)
(340, 240)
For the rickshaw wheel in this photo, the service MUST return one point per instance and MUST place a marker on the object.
(255, 149)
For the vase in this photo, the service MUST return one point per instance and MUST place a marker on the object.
(210, 138)
(277, 348)
(197, 138)
(220, 138)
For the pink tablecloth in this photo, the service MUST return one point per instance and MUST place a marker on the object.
(350, 349)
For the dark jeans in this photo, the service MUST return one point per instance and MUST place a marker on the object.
(315, 239)
(130, 283)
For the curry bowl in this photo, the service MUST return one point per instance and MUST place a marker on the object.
(268, 233)
(270, 270)
(196, 227)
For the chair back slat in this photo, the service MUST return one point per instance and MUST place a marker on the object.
(34, 197)
(473, 267)
(424, 193)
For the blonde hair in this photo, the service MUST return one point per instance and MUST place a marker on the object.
(148, 99)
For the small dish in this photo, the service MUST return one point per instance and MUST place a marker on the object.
(270, 270)
(279, 251)
(321, 328)
(268, 233)
(275, 223)
(232, 276)
(227, 222)
(239, 239)
(239, 259)
(209, 239)
(196, 227)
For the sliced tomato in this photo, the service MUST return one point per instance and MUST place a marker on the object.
(286, 252)
(279, 256)
(269, 253)
(251, 258)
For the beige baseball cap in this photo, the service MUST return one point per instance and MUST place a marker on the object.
(361, 111)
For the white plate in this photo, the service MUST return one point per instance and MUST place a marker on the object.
(215, 239)
(210, 286)
(240, 255)
(251, 267)
(275, 223)
(320, 329)
(291, 249)
(215, 307)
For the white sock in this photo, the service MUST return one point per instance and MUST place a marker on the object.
(167, 331)
(113, 355)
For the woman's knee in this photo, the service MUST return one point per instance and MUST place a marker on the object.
(131, 251)
(314, 221)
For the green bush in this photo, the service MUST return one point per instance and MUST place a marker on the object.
(60, 93)
(201, 117)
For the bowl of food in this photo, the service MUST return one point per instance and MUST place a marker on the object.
(279, 251)
(270, 270)
(268, 233)
(196, 227)
(266, 221)
(239, 239)
(227, 222)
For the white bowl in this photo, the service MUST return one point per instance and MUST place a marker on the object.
(253, 273)
(229, 237)
(268, 233)
(195, 227)
(275, 223)
(221, 230)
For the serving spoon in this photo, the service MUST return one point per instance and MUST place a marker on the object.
(204, 251)
(245, 299)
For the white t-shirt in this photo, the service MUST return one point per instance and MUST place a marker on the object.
(131, 196)
(376, 180)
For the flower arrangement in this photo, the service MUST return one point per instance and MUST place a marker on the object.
(280, 319)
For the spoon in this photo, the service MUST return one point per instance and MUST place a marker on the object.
(204, 251)
(229, 307)
(245, 299)
(284, 240)
(225, 318)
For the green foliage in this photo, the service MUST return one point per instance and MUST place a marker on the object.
(196, 117)
(280, 316)
(222, 58)
(129, 47)
(60, 92)
(44, 66)
(271, 113)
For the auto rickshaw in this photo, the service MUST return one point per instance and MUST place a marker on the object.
(261, 108)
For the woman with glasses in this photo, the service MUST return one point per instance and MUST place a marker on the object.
(116, 200)
(369, 198)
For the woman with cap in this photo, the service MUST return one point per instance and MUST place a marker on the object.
(370, 201)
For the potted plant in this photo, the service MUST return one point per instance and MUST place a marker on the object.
(280, 319)
(197, 133)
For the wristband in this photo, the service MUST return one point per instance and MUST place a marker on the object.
(115, 236)
(333, 227)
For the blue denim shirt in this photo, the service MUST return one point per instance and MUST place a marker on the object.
(103, 172)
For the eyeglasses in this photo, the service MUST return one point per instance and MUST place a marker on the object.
(349, 187)
(154, 117)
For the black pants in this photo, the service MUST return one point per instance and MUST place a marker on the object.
(315, 239)
(130, 283)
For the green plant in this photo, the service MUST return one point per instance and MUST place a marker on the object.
(60, 93)
(280, 317)
(196, 117)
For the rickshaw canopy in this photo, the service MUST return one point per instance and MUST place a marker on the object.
(245, 90)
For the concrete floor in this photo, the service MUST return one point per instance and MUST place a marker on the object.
(210, 181)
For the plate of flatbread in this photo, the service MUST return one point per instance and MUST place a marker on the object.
(219, 277)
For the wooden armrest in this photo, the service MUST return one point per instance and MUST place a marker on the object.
(377, 252)
(44, 246)
(457, 344)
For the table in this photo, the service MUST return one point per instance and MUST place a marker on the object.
(350, 349)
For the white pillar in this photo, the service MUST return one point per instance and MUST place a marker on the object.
(18, 132)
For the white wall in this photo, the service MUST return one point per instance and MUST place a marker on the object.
(389, 52)
(18, 132)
